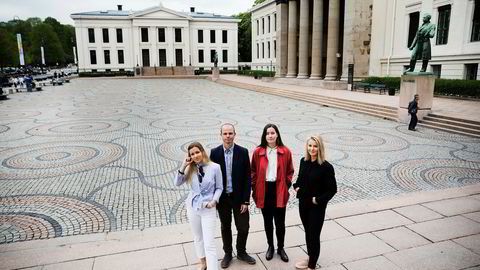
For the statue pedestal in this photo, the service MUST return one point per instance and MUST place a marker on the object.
(215, 73)
(412, 83)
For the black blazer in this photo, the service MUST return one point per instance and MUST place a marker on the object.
(241, 178)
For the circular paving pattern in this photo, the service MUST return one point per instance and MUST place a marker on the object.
(185, 111)
(4, 128)
(43, 216)
(198, 122)
(434, 134)
(9, 115)
(292, 119)
(94, 113)
(78, 128)
(256, 108)
(55, 159)
(415, 174)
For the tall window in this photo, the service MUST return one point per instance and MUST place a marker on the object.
(263, 50)
(476, 22)
(212, 56)
(161, 34)
(178, 34)
(224, 36)
(437, 70)
(258, 27)
(263, 25)
(121, 59)
(413, 27)
(212, 36)
(200, 36)
(471, 71)
(268, 24)
(146, 57)
(119, 35)
(93, 57)
(162, 57)
(105, 35)
(106, 55)
(200, 56)
(274, 48)
(144, 33)
(225, 56)
(258, 50)
(275, 22)
(268, 48)
(443, 24)
(91, 35)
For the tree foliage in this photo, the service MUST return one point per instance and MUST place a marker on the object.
(244, 37)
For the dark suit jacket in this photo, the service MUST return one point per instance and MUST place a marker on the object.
(241, 178)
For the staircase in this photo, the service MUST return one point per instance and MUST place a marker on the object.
(451, 124)
(385, 112)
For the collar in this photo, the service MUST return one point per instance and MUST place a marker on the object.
(263, 150)
(231, 148)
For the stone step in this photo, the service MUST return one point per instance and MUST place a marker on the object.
(450, 128)
(476, 123)
(456, 122)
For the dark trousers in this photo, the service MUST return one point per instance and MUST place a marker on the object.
(413, 121)
(225, 210)
(272, 213)
(312, 217)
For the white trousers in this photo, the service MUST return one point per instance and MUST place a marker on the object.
(203, 227)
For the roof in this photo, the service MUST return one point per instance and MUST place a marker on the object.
(106, 13)
(208, 15)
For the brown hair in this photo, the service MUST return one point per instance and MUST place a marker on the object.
(192, 168)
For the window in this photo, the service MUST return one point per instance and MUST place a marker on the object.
(224, 36)
(443, 24)
(258, 27)
(200, 56)
(105, 35)
(476, 22)
(263, 50)
(212, 56)
(161, 34)
(268, 24)
(263, 25)
(91, 35)
(258, 55)
(162, 57)
(178, 57)
(471, 71)
(275, 22)
(225, 56)
(212, 36)
(119, 35)
(200, 36)
(144, 32)
(93, 57)
(146, 57)
(121, 59)
(413, 27)
(268, 48)
(275, 49)
(437, 70)
(178, 34)
(106, 55)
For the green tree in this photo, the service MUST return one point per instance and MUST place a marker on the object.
(8, 57)
(44, 35)
(244, 37)
(258, 2)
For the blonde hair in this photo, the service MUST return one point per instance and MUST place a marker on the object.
(191, 169)
(321, 156)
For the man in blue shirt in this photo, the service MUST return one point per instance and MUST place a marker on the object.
(235, 164)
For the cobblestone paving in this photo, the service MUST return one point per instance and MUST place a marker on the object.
(99, 155)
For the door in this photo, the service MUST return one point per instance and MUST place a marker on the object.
(146, 57)
(178, 57)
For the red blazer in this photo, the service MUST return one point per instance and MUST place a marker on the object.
(284, 175)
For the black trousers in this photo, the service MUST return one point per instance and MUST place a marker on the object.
(272, 213)
(413, 121)
(225, 210)
(312, 217)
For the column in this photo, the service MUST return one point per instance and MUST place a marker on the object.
(332, 42)
(303, 40)
(292, 39)
(282, 38)
(317, 35)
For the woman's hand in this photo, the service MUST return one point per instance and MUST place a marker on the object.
(211, 204)
(187, 161)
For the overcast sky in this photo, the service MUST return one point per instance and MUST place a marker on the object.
(61, 9)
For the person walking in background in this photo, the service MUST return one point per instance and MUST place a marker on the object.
(412, 110)
(272, 172)
(205, 180)
(235, 164)
(315, 186)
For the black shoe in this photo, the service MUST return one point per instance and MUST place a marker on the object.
(227, 259)
(246, 258)
(283, 254)
(269, 254)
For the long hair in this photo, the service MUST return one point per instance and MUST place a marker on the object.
(263, 141)
(320, 152)
(191, 169)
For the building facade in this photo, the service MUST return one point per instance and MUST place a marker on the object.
(115, 40)
(312, 39)
(455, 46)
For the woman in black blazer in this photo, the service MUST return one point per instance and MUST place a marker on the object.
(315, 186)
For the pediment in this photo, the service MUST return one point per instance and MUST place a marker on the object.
(160, 12)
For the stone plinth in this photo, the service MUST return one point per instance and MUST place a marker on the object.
(416, 83)
(215, 73)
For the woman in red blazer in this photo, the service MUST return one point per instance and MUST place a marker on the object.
(272, 172)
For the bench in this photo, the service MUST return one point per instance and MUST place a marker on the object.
(368, 86)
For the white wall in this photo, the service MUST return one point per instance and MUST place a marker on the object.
(263, 11)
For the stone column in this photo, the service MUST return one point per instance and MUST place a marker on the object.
(317, 36)
(332, 42)
(303, 40)
(282, 38)
(292, 39)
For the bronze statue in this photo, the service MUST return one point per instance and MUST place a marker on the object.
(420, 47)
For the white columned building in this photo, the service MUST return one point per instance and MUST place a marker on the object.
(114, 40)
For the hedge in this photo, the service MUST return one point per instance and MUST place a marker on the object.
(443, 87)
(258, 73)
(106, 74)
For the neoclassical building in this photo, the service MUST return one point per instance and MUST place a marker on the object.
(455, 47)
(312, 39)
(154, 37)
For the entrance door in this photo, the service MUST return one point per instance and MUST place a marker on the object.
(178, 57)
(146, 57)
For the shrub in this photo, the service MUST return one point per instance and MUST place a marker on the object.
(257, 73)
(105, 74)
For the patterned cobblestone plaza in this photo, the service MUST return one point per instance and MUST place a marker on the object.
(100, 155)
